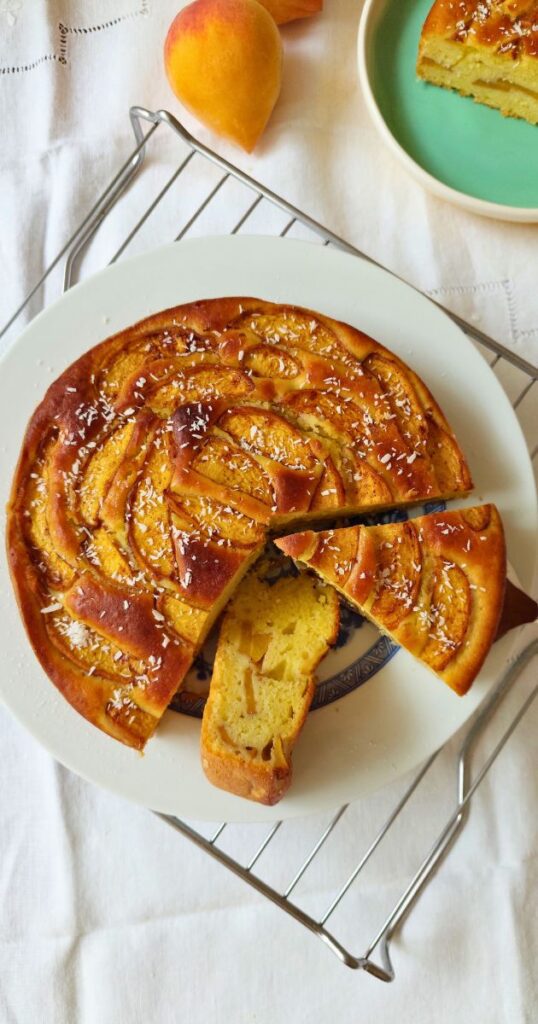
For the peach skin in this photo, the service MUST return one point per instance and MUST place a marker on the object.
(223, 59)
(289, 10)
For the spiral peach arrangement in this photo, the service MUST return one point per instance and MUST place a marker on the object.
(434, 584)
(157, 463)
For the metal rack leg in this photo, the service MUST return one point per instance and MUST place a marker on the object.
(465, 791)
(384, 971)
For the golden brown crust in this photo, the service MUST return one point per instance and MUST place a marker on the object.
(157, 461)
(250, 781)
(436, 583)
(503, 26)
(487, 49)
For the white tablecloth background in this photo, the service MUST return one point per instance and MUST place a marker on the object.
(107, 916)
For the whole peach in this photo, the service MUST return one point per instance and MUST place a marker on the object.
(223, 59)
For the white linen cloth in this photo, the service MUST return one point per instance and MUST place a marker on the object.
(108, 917)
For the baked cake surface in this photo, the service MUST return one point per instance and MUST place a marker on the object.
(487, 49)
(272, 638)
(155, 465)
(434, 584)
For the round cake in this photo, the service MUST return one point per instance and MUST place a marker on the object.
(156, 465)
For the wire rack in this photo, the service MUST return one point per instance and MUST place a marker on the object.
(200, 188)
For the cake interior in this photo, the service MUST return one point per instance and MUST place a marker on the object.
(490, 77)
(272, 638)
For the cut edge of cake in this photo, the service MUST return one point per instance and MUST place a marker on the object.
(272, 638)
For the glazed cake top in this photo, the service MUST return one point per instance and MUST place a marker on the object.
(155, 465)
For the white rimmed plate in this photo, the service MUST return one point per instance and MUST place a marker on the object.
(402, 714)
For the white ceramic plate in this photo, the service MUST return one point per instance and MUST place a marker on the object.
(400, 716)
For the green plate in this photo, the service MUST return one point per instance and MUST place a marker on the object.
(487, 161)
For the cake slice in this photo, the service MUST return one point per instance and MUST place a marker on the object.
(434, 584)
(487, 49)
(273, 637)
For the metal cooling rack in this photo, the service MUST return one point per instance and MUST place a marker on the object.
(205, 178)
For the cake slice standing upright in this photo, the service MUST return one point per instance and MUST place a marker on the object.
(272, 638)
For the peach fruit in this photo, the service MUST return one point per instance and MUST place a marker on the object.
(223, 59)
(288, 10)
